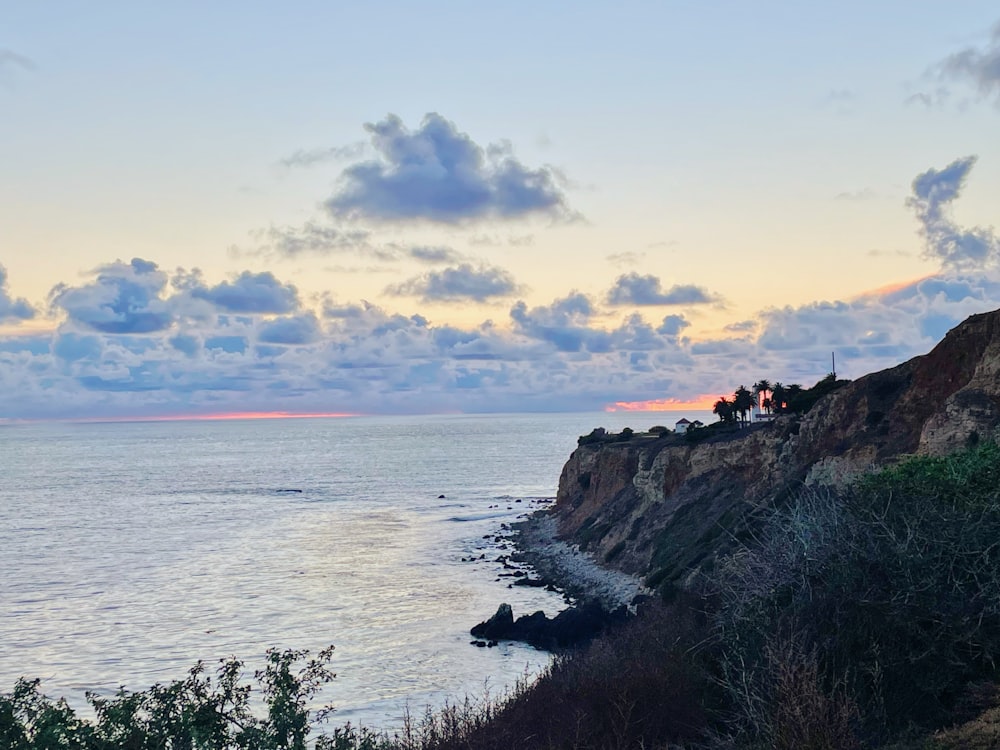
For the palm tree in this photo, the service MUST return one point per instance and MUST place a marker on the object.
(743, 402)
(761, 388)
(724, 409)
(778, 397)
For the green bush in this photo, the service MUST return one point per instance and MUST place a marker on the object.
(196, 713)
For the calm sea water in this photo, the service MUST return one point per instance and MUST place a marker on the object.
(130, 551)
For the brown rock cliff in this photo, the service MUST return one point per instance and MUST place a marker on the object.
(665, 507)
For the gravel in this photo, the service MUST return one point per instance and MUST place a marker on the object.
(574, 572)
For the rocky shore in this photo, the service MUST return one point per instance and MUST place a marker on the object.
(577, 574)
(598, 597)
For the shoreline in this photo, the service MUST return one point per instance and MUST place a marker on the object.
(574, 573)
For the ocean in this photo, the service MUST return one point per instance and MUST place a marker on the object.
(130, 551)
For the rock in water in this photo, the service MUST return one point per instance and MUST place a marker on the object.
(497, 626)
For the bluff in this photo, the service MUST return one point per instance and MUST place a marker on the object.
(666, 507)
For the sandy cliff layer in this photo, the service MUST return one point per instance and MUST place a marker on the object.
(663, 507)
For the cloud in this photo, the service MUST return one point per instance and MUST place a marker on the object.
(426, 254)
(107, 359)
(979, 67)
(944, 241)
(863, 194)
(125, 298)
(439, 174)
(12, 309)
(562, 324)
(10, 59)
(628, 258)
(296, 329)
(672, 325)
(251, 293)
(312, 157)
(311, 238)
(633, 289)
(458, 284)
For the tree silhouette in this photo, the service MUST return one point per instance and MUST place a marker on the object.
(724, 410)
(778, 397)
(743, 402)
(761, 388)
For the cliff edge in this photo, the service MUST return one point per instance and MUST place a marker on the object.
(664, 508)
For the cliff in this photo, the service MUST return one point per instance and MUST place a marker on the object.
(664, 507)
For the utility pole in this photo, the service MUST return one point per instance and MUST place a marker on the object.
(833, 364)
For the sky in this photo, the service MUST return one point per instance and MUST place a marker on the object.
(445, 207)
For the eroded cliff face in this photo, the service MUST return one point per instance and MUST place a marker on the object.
(664, 508)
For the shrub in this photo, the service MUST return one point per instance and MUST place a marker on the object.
(196, 713)
(892, 587)
(596, 435)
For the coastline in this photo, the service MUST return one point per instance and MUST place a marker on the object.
(577, 574)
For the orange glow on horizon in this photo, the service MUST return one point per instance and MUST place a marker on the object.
(703, 402)
(882, 291)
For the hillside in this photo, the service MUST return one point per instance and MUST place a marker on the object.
(666, 508)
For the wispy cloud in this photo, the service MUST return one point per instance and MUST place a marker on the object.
(977, 66)
(10, 59)
(311, 238)
(314, 156)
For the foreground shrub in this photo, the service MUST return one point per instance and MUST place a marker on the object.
(889, 593)
(197, 713)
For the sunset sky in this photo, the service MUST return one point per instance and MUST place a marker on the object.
(322, 207)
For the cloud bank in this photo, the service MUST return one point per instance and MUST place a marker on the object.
(132, 341)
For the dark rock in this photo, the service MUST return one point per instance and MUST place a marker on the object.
(440, 497)
(571, 627)
(497, 626)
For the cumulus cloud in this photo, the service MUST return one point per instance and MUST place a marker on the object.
(633, 289)
(295, 329)
(251, 293)
(562, 324)
(125, 298)
(437, 173)
(457, 284)
(946, 242)
(12, 309)
(978, 66)
(672, 325)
